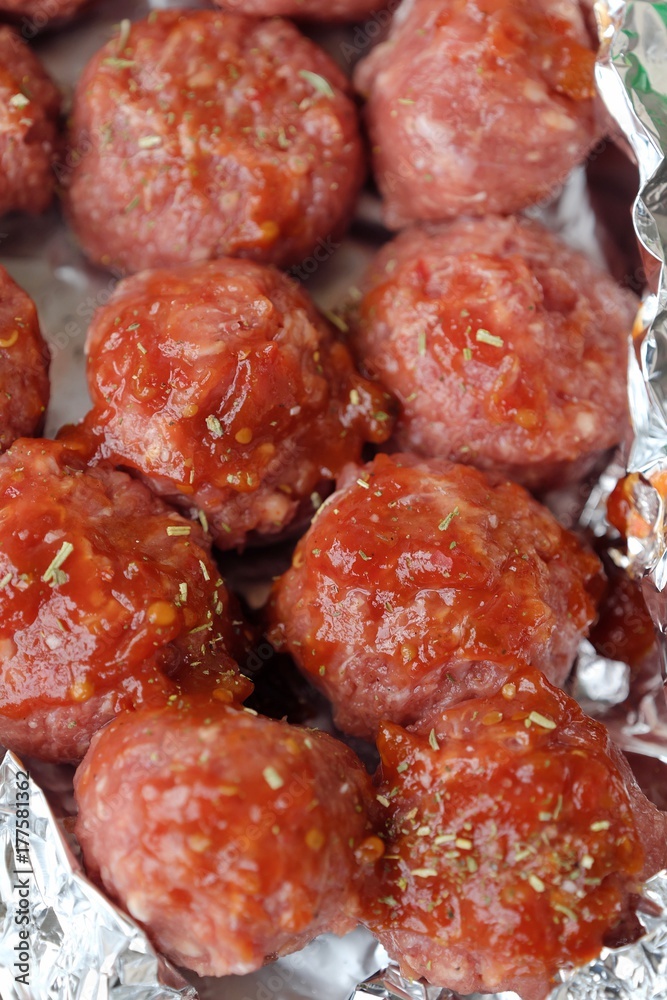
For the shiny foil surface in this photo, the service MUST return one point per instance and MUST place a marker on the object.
(81, 946)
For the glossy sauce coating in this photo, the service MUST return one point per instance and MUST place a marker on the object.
(29, 109)
(478, 106)
(224, 387)
(24, 365)
(108, 600)
(198, 134)
(421, 583)
(514, 840)
(507, 349)
(231, 837)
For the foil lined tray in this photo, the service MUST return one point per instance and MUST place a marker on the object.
(81, 947)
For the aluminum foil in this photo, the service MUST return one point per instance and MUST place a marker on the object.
(60, 938)
(80, 945)
(633, 76)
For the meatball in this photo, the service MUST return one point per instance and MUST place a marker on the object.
(233, 838)
(221, 384)
(506, 348)
(108, 600)
(310, 10)
(425, 582)
(29, 110)
(515, 839)
(478, 106)
(24, 365)
(200, 134)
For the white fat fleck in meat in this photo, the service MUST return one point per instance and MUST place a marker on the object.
(208, 734)
(139, 906)
(559, 121)
(586, 424)
(175, 799)
(534, 91)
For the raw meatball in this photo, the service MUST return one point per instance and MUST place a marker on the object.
(515, 838)
(506, 348)
(24, 365)
(307, 10)
(108, 600)
(231, 837)
(478, 106)
(29, 109)
(425, 582)
(221, 384)
(201, 134)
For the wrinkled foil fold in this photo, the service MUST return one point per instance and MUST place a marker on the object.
(83, 948)
(632, 76)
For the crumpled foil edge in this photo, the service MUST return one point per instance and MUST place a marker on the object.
(80, 946)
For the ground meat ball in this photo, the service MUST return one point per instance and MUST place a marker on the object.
(222, 385)
(506, 348)
(515, 837)
(310, 10)
(478, 106)
(231, 837)
(108, 600)
(422, 582)
(29, 109)
(200, 134)
(24, 365)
